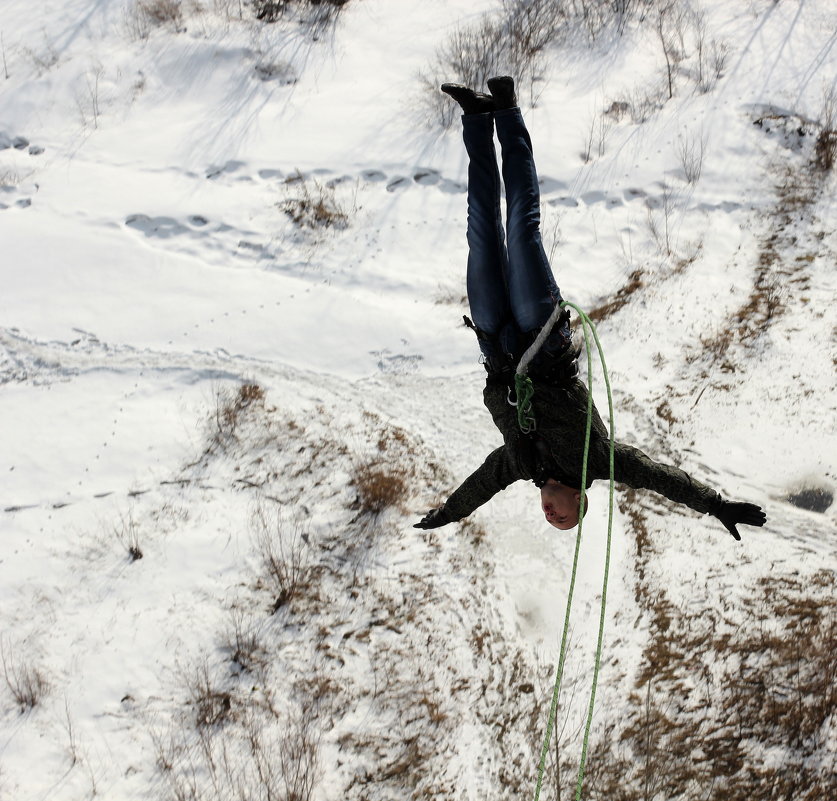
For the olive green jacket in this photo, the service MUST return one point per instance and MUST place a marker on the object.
(557, 451)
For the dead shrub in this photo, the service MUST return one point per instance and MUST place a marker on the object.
(25, 681)
(127, 532)
(380, 486)
(511, 41)
(161, 12)
(314, 205)
(243, 643)
(144, 15)
(297, 757)
(691, 152)
(285, 550)
(515, 40)
(212, 704)
(230, 406)
(825, 148)
(255, 757)
(319, 13)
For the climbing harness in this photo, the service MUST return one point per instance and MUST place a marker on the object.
(526, 419)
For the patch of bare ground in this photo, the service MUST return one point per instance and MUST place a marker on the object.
(638, 280)
(622, 297)
(791, 242)
(736, 700)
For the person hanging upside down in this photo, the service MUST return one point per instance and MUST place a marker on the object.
(512, 293)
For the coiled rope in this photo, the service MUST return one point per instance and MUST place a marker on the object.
(525, 391)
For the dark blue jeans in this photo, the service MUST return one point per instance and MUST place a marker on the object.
(511, 289)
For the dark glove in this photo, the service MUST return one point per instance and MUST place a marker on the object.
(730, 513)
(434, 519)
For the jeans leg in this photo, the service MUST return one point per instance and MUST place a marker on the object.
(487, 260)
(533, 292)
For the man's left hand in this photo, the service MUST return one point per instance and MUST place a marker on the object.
(731, 513)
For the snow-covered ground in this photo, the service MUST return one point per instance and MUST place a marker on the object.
(149, 270)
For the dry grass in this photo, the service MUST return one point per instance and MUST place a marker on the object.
(286, 553)
(212, 705)
(243, 642)
(320, 13)
(24, 680)
(381, 479)
(380, 486)
(161, 12)
(127, 533)
(230, 408)
(825, 147)
(313, 205)
(144, 15)
(621, 298)
(259, 756)
(9, 178)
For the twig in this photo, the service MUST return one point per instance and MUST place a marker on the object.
(3, 47)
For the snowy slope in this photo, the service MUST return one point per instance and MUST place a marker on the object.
(149, 270)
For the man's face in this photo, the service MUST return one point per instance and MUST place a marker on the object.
(560, 505)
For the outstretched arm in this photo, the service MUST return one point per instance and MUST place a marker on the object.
(636, 469)
(495, 474)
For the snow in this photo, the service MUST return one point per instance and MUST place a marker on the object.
(148, 270)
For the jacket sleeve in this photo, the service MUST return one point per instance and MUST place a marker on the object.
(495, 474)
(636, 469)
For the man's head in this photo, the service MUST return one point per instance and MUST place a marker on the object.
(560, 504)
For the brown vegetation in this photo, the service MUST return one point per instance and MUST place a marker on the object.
(621, 298)
(729, 703)
(313, 205)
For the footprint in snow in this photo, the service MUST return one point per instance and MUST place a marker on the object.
(566, 200)
(230, 167)
(595, 196)
(399, 182)
(549, 185)
(162, 227)
(199, 229)
(452, 187)
(427, 177)
(19, 143)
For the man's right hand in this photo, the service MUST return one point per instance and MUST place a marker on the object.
(433, 519)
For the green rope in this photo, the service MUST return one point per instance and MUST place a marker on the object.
(524, 390)
(588, 327)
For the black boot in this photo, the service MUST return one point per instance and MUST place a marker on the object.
(472, 102)
(502, 90)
